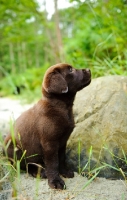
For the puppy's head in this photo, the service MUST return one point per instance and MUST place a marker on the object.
(63, 78)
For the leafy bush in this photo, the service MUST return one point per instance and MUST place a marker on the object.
(29, 80)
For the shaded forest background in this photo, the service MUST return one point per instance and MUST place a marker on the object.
(90, 33)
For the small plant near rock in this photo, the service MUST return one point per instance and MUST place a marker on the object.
(120, 163)
(86, 171)
(92, 172)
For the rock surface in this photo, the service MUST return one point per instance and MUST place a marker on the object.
(101, 124)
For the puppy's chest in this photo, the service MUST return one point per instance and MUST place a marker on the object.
(69, 118)
(67, 124)
(66, 128)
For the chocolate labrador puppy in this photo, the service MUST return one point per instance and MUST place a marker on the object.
(43, 130)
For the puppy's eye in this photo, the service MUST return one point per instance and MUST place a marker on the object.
(70, 69)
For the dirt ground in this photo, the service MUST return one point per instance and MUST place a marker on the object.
(99, 189)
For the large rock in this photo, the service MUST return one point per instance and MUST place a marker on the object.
(101, 126)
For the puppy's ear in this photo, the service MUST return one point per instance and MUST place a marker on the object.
(55, 83)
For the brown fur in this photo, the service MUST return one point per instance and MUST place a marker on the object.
(45, 128)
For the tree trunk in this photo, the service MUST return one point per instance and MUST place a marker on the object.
(12, 58)
(58, 32)
(37, 55)
(19, 56)
(24, 64)
(52, 42)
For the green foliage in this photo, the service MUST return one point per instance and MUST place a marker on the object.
(30, 80)
(93, 35)
(98, 37)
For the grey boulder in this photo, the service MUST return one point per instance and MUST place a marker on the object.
(100, 135)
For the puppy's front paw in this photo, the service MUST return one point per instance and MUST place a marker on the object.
(57, 183)
(67, 174)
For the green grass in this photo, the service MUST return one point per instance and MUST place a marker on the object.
(91, 172)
